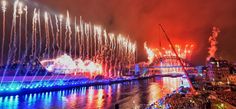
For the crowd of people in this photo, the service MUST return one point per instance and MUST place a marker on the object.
(183, 100)
(180, 101)
(228, 96)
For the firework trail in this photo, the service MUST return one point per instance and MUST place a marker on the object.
(34, 33)
(14, 29)
(40, 34)
(57, 35)
(75, 35)
(91, 40)
(26, 32)
(86, 29)
(79, 40)
(53, 36)
(69, 30)
(3, 29)
(46, 50)
(82, 37)
(60, 33)
(20, 12)
(95, 41)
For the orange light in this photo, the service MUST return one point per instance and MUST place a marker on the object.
(163, 52)
(150, 53)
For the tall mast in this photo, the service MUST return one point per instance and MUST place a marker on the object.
(177, 56)
(160, 38)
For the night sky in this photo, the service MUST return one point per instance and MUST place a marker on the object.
(186, 21)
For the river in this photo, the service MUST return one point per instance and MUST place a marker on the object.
(127, 95)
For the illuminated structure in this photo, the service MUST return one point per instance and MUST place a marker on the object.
(164, 60)
(184, 53)
(218, 70)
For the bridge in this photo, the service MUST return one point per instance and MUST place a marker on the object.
(160, 66)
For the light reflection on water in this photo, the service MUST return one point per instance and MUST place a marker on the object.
(127, 95)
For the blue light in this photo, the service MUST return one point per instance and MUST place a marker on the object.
(28, 87)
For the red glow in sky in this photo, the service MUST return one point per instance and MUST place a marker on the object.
(186, 21)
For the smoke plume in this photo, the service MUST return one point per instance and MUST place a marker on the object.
(213, 42)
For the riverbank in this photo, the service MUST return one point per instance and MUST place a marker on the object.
(207, 95)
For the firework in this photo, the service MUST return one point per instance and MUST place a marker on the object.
(48, 41)
(184, 53)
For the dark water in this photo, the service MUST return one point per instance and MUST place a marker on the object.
(128, 95)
